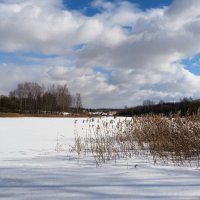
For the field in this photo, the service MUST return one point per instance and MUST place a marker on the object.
(38, 160)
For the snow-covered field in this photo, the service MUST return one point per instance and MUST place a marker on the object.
(35, 164)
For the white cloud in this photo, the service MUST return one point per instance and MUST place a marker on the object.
(144, 61)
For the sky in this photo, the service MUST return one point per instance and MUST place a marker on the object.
(115, 53)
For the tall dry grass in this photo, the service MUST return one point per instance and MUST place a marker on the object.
(173, 139)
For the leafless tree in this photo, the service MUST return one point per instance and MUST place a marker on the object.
(78, 102)
(34, 98)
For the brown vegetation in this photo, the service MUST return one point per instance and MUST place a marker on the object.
(74, 115)
(174, 139)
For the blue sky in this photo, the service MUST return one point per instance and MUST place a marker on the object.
(115, 53)
(192, 64)
(85, 5)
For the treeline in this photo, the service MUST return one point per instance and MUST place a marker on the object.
(184, 107)
(30, 97)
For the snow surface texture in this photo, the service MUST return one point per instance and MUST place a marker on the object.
(35, 164)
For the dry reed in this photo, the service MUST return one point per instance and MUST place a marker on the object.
(174, 139)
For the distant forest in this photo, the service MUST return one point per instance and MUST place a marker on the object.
(30, 97)
(184, 107)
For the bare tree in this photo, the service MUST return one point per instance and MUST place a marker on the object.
(63, 97)
(148, 102)
(34, 98)
(19, 93)
(78, 102)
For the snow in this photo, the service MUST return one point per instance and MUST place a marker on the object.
(35, 163)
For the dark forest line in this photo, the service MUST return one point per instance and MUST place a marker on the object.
(184, 107)
(32, 98)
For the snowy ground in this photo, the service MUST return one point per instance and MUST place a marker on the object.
(31, 168)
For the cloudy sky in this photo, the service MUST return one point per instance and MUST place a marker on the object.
(115, 53)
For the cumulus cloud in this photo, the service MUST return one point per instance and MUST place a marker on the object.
(142, 49)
